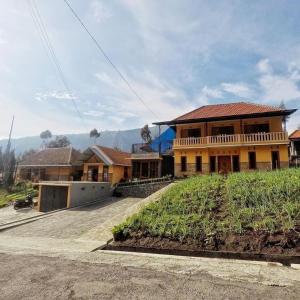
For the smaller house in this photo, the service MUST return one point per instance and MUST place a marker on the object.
(155, 159)
(103, 164)
(51, 164)
(295, 147)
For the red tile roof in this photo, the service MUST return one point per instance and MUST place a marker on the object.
(228, 109)
(116, 156)
(295, 135)
(52, 157)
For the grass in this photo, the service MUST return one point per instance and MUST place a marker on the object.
(206, 205)
(17, 192)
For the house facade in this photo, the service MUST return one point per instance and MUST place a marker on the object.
(51, 164)
(295, 148)
(230, 137)
(103, 164)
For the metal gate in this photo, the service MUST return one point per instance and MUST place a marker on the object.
(53, 197)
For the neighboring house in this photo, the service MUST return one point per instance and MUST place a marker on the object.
(230, 138)
(51, 164)
(295, 147)
(106, 165)
(154, 159)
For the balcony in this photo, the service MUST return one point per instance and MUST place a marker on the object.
(253, 139)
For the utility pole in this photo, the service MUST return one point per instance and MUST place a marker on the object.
(10, 133)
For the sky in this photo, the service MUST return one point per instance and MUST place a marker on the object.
(177, 55)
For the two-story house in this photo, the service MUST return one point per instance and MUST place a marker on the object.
(230, 137)
(295, 148)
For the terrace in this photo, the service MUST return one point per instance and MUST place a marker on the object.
(253, 139)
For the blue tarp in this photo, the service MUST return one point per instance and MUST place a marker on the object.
(166, 140)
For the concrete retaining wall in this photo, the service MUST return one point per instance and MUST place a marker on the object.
(141, 190)
(82, 192)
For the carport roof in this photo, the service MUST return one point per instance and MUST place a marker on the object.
(66, 156)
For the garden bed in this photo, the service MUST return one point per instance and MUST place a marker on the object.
(256, 213)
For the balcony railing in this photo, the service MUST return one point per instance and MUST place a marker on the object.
(234, 139)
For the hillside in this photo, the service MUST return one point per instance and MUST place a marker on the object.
(121, 139)
(245, 212)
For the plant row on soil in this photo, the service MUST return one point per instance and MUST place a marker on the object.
(254, 212)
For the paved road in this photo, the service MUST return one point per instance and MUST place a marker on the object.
(35, 277)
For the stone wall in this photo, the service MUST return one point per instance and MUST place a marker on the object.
(141, 190)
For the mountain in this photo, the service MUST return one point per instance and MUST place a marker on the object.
(122, 139)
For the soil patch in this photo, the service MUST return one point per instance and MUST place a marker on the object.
(257, 242)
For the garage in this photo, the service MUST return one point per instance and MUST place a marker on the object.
(53, 197)
(66, 194)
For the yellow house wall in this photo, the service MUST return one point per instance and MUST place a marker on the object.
(275, 124)
(115, 173)
(263, 157)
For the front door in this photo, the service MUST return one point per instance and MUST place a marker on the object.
(224, 164)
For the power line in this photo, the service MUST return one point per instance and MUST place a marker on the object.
(109, 60)
(37, 19)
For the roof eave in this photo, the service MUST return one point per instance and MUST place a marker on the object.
(232, 117)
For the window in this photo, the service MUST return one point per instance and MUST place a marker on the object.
(198, 163)
(212, 164)
(145, 170)
(222, 130)
(256, 128)
(183, 163)
(235, 163)
(192, 132)
(252, 160)
(136, 167)
(153, 169)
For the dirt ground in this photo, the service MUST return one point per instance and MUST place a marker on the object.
(37, 277)
(287, 243)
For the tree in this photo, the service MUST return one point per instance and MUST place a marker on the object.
(59, 142)
(146, 134)
(95, 134)
(45, 136)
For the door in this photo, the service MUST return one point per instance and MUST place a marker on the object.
(105, 174)
(53, 197)
(275, 160)
(224, 164)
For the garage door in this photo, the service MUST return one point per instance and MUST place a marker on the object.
(53, 197)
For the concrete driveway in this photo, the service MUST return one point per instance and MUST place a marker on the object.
(79, 229)
(8, 214)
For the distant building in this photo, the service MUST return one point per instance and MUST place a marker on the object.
(51, 164)
(295, 148)
(231, 137)
(103, 164)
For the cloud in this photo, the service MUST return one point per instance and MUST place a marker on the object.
(264, 66)
(278, 87)
(239, 89)
(207, 94)
(100, 12)
(55, 95)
